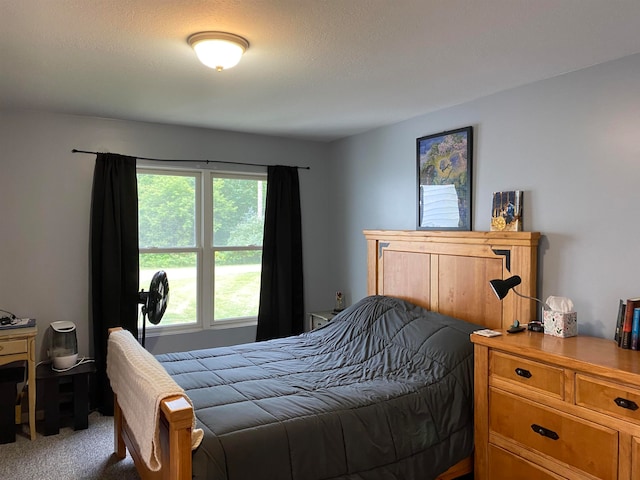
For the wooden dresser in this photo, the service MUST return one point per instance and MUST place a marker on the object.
(556, 408)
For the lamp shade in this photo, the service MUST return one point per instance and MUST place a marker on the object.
(218, 50)
(501, 287)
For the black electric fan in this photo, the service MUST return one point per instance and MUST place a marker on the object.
(154, 302)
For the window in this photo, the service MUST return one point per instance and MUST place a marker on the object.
(180, 212)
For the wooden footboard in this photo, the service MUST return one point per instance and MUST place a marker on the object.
(175, 425)
(175, 440)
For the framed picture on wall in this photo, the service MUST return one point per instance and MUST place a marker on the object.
(444, 180)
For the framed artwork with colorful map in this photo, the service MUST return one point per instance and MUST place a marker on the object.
(444, 180)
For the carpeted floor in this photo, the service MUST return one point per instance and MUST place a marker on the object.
(70, 455)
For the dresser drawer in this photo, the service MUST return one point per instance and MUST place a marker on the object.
(635, 458)
(582, 444)
(506, 466)
(608, 397)
(319, 319)
(11, 347)
(532, 374)
(317, 322)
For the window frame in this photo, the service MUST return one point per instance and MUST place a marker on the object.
(203, 248)
(212, 249)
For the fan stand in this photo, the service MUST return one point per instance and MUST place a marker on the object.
(143, 296)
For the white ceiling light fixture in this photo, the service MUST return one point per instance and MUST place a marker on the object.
(218, 50)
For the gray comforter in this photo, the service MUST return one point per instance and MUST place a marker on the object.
(384, 391)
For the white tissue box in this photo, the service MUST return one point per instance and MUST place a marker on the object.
(560, 324)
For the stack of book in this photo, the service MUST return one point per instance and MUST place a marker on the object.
(628, 324)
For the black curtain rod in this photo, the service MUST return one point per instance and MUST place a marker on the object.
(75, 150)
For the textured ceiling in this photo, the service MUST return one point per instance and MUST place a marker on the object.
(316, 69)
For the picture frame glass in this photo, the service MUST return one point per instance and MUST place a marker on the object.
(444, 163)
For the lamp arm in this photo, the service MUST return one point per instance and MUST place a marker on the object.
(544, 305)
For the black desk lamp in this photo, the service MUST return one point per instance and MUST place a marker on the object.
(501, 288)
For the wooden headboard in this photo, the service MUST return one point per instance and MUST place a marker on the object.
(449, 272)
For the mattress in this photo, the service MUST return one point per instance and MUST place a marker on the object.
(385, 390)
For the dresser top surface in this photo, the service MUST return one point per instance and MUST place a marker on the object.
(585, 353)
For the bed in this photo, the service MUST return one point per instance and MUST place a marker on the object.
(383, 391)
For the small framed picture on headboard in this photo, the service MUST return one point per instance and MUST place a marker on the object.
(506, 211)
(444, 180)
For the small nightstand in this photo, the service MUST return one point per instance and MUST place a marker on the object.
(62, 389)
(318, 319)
(552, 408)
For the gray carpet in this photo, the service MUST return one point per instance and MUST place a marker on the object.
(70, 455)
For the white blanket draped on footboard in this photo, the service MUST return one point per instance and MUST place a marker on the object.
(141, 383)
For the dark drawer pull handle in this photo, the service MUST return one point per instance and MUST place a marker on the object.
(521, 372)
(624, 403)
(544, 432)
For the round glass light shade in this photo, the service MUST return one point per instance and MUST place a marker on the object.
(218, 50)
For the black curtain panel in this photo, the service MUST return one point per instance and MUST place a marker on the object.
(281, 311)
(114, 260)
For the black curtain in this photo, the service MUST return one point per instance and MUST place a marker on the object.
(114, 260)
(281, 311)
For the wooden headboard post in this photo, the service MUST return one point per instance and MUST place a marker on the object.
(449, 272)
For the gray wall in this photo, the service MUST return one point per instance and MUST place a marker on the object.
(570, 142)
(45, 196)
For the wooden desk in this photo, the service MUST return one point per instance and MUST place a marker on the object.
(20, 344)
